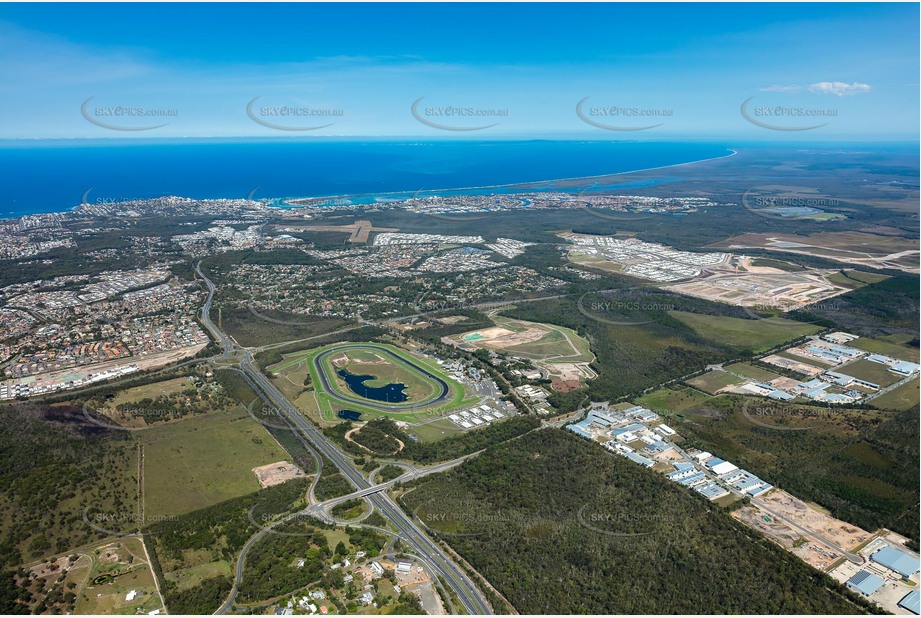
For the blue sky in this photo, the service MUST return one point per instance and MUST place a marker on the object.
(520, 69)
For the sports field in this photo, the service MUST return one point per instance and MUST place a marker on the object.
(548, 343)
(563, 353)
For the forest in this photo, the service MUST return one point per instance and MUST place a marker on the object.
(861, 465)
(559, 526)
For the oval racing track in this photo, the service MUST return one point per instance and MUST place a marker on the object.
(333, 393)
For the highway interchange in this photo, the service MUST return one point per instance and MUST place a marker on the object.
(411, 534)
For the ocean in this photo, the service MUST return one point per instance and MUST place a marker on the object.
(54, 176)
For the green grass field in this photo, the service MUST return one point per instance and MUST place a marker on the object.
(855, 279)
(755, 335)
(667, 400)
(151, 391)
(712, 381)
(895, 350)
(779, 264)
(901, 398)
(755, 373)
(435, 430)
(193, 576)
(203, 460)
(872, 372)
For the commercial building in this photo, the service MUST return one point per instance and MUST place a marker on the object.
(718, 466)
(865, 583)
(911, 602)
(648, 463)
(904, 368)
(896, 560)
(712, 490)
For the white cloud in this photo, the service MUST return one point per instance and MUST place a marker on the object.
(839, 88)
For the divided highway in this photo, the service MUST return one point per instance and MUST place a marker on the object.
(470, 597)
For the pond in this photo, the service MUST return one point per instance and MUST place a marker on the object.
(391, 393)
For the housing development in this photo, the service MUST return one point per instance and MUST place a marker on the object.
(462, 350)
(460, 310)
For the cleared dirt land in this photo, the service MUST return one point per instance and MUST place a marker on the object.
(277, 473)
(812, 552)
(874, 250)
(841, 533)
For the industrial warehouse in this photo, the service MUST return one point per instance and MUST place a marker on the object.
(628, 433)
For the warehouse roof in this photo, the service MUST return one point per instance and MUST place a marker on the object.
(865, 582)
(911, 601)
(896, 560)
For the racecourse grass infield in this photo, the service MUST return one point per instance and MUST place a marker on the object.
(427, 391)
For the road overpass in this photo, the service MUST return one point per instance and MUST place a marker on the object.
(470, 596)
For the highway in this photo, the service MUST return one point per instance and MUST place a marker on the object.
(470, 597)
(218, 335)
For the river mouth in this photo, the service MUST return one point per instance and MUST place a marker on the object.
(391, 393)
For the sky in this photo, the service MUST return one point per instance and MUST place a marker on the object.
(607, 71)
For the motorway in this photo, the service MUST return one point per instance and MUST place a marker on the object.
(470, 597)
(331, 391)
(226, 341)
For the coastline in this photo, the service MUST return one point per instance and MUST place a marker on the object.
(732, 153)
(282, 203)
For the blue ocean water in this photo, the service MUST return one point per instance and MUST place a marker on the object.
(55, 176)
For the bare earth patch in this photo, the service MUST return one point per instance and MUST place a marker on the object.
(277, 473)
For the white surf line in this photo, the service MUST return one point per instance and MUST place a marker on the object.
(732, 153)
